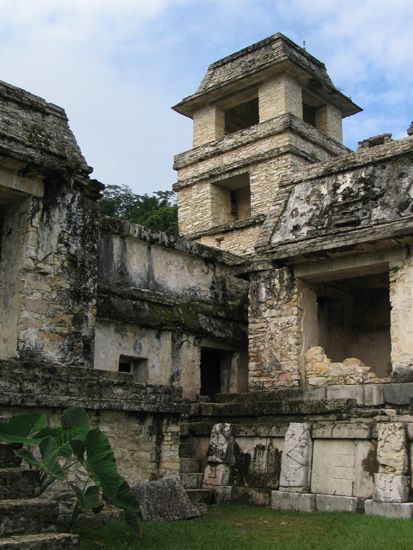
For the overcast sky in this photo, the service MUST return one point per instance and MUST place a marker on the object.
(117, 66)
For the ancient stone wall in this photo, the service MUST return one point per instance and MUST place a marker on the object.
(141, 421)
(160, 300)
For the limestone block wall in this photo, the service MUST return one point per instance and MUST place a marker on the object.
(160, 300)
(142, 422)
(274, 333)
(48, 272)
(209, 125)
(172, 358)
(266, 152)
(311, 463)
(280, 95)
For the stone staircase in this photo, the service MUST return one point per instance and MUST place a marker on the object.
(191, 471)
(26, 521)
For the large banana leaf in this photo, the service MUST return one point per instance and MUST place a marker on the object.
(74, 426)
(101, 465)
(23, 428)
(47, 464)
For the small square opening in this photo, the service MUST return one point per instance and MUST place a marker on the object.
(241, 116)
(231, 199)
(135, 366)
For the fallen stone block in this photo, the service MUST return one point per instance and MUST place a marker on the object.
(390, 488)
(298, 502)
(400, 510)
(164, 499)
(337, 503)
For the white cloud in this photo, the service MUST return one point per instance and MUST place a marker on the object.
(116, 66)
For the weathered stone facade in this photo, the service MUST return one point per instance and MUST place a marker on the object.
(283, 315)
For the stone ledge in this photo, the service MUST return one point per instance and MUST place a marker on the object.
(389, 509)
(43, 385)
(335, 503)
(255, 133)
(297, 502)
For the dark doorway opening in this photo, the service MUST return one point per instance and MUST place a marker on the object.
(215, 371)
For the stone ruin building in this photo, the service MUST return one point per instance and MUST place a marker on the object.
(266, 355)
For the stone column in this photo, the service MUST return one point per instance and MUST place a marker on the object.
(391, 484)
(209, 125)
(328, 119)
(278, 96)
(220, 458)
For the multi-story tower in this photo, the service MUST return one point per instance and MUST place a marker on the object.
(258, 114)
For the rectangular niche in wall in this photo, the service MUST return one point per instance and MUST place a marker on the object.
(353, 320)
(136, 366)
(231, 199)
(215, 371)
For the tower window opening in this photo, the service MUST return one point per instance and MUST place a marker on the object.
(231, 199)
(241, 116)
(309, 114)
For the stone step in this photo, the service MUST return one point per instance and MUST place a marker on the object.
(190, 465)
(192, 481)
(7, 457)
(27, 516)
(42, 541)
(199, 495)
(17, 483)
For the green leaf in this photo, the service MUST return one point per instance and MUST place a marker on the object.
(79, 448)
(124, 498)
(75, 417)
(49, 452)
(101, 466)
(91, 498)
(27, 457)
(22, 428)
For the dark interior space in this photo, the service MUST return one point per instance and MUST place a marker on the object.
(215, 371)
(354, 320)
(242, 116)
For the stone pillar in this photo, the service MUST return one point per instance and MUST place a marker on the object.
(401, 322)
(391, 484)
(328, 119)
(278, 96)
(209, 125)
(296, 458)
(220, 458)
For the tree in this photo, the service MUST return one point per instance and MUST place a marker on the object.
(158, 212)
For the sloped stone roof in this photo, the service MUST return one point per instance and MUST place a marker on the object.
(37, 133)
(351, 201)
(248, 66)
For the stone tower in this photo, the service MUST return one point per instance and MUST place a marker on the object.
(258, 114)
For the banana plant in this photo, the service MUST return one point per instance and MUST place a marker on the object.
(55, 452)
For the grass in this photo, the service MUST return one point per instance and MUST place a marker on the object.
(246, 528)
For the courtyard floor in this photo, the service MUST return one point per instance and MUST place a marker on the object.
(246, 527)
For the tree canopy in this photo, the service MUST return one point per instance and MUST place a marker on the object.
(158, 212)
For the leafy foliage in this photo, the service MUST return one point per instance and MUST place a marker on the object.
(157, 212)
(56, 451)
